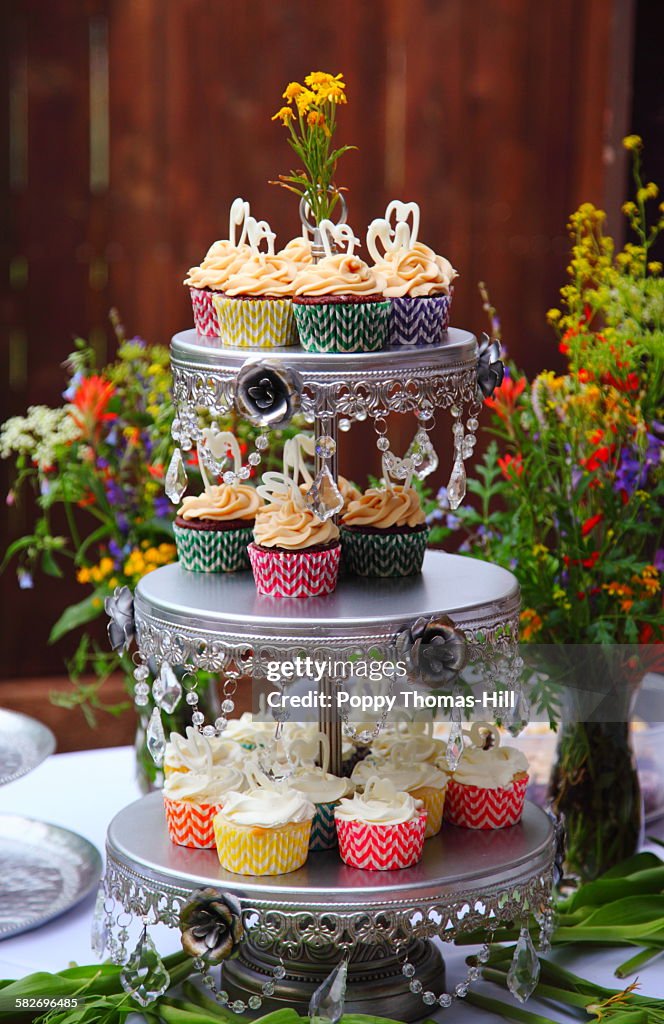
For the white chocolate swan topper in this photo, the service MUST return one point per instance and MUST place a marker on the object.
(278, 487)
(489, 767)
(230, 500)
(407, 266)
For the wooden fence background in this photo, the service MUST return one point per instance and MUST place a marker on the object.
(132, 124)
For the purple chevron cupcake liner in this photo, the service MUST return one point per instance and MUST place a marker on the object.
(418, 320)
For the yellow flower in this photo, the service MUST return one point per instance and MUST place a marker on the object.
(293, 90)
(316, 79)
(629, 209)
(649, 191)
(617, 589)
(633, 143)
(540, 550)
(83, 575)
(304, 101)
(655, 267)
(317, 120)
(531, 623)
(285, 114)
(553, 316)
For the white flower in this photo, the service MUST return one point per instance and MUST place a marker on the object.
(38, 434)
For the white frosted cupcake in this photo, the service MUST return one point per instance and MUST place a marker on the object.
(421, 780)
(191, 800)
(381, 829)
(324, 791)
(197, 753)
(264, 831)
(488, 788)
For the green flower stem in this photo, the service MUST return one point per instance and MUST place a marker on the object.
(632, 965)
(509, 1011)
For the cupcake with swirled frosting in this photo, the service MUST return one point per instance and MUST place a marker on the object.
(488, 787)
(381, 829)
(298, 251)
(422, 780)
(339, 306)
(264, 831)
(418, 284)
(208, 280)
(213, 529)
(256, 309)
(192, 799)
(384, 532)
(194, 752)
(294, 553)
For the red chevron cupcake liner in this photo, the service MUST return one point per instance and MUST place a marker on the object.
(294, 573)
(381, 847)
(205, 314)
(474, 807)
(190, 824)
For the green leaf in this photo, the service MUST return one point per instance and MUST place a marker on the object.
(76, 615)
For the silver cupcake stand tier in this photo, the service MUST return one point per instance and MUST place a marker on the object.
(306, 921)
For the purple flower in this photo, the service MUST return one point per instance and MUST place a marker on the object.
(69, 393)
(658, 560)
(162, 506)
(635, 466)
(25, 580)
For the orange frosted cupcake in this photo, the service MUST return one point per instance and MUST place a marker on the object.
(294, 553)
(384, 532)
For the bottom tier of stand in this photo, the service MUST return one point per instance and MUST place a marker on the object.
(467, 880)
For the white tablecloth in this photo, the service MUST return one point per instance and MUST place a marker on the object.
(84, 790)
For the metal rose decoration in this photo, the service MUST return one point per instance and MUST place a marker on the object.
(434, 649)
(267, 394)
(490, 369)
(120, 610)
(211, 925)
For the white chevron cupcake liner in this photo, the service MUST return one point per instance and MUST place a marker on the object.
(256, 323)
(418, 320)
(213, 550)
(342, 326)
(383, 554)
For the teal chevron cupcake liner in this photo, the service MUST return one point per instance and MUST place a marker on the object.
(213, 550)
(255, 323)
(342, 326)
(383, 554)
(323, 828)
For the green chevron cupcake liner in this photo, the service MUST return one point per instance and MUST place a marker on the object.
(384, 554)
(323, 828)
(213, 550)
(342, 326)
(255, 323)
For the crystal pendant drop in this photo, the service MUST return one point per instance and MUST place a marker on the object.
(156, 738)
(176, 477)
(456, 487)
(324, 497)
(166, 689)
(524, 972)
(424, 451)
(327, 1002)
(99, 927)
(454, 749)
(275, 762)
(144, 976)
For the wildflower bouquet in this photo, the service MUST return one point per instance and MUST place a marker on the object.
(571, 496)
(310, 115)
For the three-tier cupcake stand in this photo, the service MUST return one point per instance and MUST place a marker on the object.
(307, 920)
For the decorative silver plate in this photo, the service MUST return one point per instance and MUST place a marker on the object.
(44, 871)
(24, 744)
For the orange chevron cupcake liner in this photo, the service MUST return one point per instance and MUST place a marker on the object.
(381, 847)
(249, 850)
(475, 807)
(434, 803)
(190, 824)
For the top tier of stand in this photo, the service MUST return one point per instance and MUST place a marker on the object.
(348, 385)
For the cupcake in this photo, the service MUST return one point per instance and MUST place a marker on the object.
(197, 753)
(212, 530)
(324, 791)
(381, 829)
(298, 251)
(339, 307)
(423, 781)
(414, 742)
(191, 800)
(384, 533)
(294, 554)
(419, 287)
(256, 309)
(208, 280)
(488, 788)
(247, 733)
(264, 831)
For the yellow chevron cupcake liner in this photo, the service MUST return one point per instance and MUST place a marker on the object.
(249, 850)
(434, 804)
(255, 323)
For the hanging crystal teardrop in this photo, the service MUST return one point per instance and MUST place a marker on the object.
(156, 739)
(99, 927)
(166, 689)
(144, 976)
(524, 971)
(175, 483)
(324, 497)
(454, 749)
(327, 1002)
(422, 448)
(456, 487)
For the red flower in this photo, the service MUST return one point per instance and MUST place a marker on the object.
(594, 461)
(590, 562)
(591, 523)
(90, 410)
(630, 383)
(504, 399)
(511, 466)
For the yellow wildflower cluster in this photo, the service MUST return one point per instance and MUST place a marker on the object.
(648, 581)
(530, 624)
(147, 557)
(103, 572)
(314, 100)
(633, 143)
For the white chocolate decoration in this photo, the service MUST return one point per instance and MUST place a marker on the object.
(337, 237)
(239, 215)
(259, 231)
(196, 753)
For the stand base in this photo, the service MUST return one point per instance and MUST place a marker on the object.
(375, 983)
